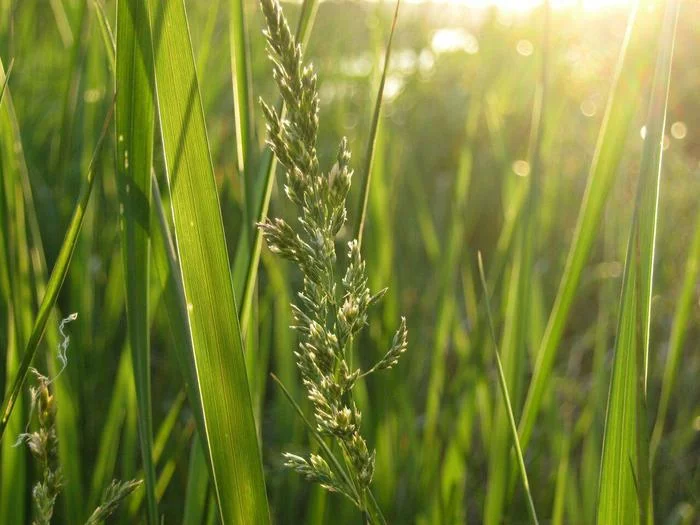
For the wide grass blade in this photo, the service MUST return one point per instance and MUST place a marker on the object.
(229, 433)
(371, 139)
(58, 275)
(135, 125)
(506, 398)
(625, 491)
(622, 104)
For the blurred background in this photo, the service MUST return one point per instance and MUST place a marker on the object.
(453, 158)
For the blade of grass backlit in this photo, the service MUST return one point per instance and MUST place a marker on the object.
(242, 101)
(506, 398)
(58, 274)
(229, 435)
(262, 191)
(625, 494)
(134, 116)
(371, 139)
(622, 104)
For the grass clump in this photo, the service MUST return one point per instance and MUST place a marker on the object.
(330, 312)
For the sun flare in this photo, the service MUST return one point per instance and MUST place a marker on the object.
(526, 5)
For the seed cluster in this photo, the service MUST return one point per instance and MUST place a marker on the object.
(329, 312)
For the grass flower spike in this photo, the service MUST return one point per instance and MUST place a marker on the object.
(330, 311)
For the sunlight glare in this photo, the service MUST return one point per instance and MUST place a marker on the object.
(527, 5)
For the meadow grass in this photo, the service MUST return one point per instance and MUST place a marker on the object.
(513, 136)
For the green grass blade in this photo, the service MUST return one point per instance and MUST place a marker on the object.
(58, 275)
(679, 332)
(625, 492)
(197, 483)
(7, 79)
(107, 34)
(622, 104)
(242, 101)
(134, 116)
(66, 418)
(371, 139)
(506, 398)
(14, 483)
(229, 435)
(103, 469)
(250, 259)
(243, 120)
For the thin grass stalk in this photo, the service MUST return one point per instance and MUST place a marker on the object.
(371, 138)
(506, 398)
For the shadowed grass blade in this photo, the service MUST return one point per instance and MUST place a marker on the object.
(134, 116)
(229, 433)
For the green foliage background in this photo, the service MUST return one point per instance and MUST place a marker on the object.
(454, 134)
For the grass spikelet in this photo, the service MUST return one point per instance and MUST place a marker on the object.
(330, 312)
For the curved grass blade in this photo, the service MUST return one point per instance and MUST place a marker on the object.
(622, 104)
(506, 398)
(58, 274)
(371, 139)
(229, 433)
(134, 116)
(625, 488)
